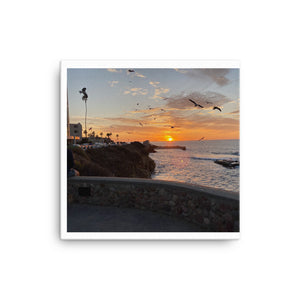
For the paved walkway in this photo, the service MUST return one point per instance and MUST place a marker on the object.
(94, 218)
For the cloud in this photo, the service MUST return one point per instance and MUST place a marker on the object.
(207, 100)
(154, 83)
(136, 74)
(114, 70)
(235, 112)
(218, 76)
(136, 91)
(122, 120)
(181, 71)
(113, 82)
(139, 75)
(158, 91)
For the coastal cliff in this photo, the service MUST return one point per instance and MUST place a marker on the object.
(130, 160)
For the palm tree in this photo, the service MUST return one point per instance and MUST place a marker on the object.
(84, 98)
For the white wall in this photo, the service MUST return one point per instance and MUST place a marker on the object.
(263, 264)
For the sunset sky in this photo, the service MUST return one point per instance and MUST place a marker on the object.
(147, 103)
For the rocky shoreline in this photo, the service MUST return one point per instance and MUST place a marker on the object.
(130, 160)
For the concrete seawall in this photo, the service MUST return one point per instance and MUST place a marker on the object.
(213, 209)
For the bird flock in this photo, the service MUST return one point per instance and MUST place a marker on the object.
(196, 105)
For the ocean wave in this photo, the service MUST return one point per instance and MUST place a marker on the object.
(203, 158)
(206, 158)
(227, 153)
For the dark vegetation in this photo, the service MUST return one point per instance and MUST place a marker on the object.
(130, 160)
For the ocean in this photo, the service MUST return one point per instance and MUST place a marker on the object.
(196, 164)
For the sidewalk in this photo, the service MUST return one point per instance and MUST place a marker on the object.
(94, 218)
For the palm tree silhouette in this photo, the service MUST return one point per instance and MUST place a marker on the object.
(84, 98)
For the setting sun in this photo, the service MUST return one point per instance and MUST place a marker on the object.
(170, 139)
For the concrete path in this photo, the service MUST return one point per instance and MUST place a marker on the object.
(94, 218)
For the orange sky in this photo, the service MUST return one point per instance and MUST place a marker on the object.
(154, 104)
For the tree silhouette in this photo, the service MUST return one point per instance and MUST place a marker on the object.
(84, 98)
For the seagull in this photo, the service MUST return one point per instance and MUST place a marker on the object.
(130, 70)
(85, 95)
(208, 102)
(141, 124)
(196, 104)
(216, 107)
(162, 109)
(202, 138)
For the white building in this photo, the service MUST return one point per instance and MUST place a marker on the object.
(76, 131)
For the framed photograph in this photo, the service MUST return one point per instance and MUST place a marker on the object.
(150, 149)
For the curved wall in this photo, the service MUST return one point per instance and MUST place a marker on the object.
(212, 209)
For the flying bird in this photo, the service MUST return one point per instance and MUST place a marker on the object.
(196, 104)
(216, 107)
(202, 138)
(130, 70)
(141, 124)
(208, 102)
(85, 95)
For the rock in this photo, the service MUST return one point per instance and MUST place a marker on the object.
(120, 161)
